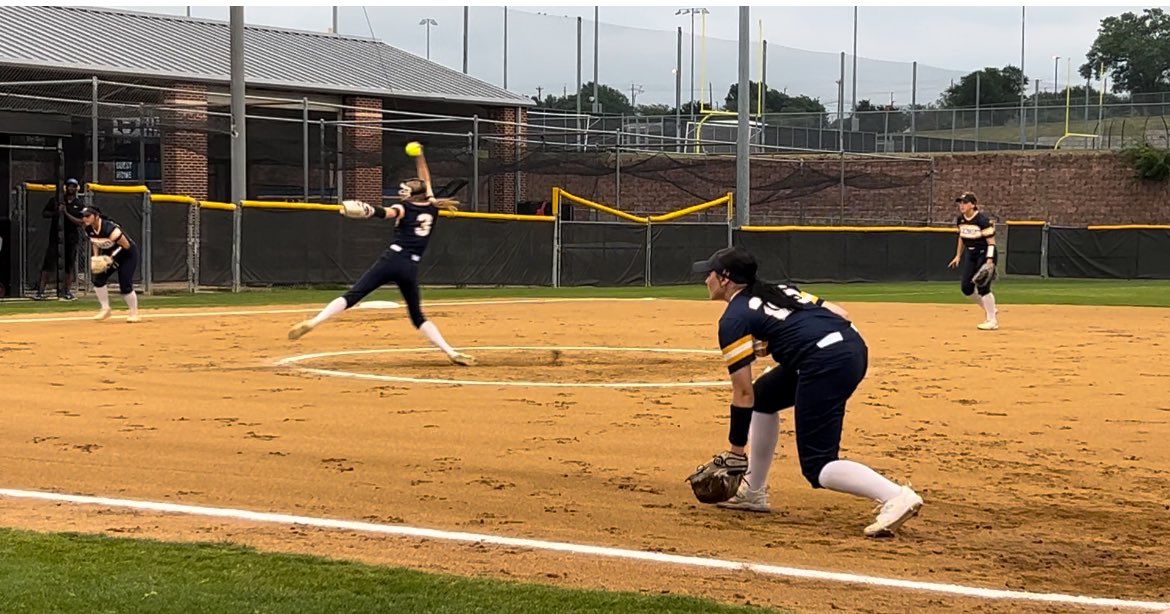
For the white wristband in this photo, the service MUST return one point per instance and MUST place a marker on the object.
(990, 251)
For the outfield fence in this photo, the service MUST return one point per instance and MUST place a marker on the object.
(187, 245)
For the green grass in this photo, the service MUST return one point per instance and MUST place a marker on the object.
(1148, 293)
(80, 573)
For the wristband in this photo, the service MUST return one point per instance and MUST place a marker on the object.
(741, 421)
(990, 251)
(379, 212)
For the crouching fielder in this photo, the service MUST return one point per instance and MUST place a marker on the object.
(822, 360)
(415, 216)
(113, 252)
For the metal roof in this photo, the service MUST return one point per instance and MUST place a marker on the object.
(108, 42)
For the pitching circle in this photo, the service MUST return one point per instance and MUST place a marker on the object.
(295, 363)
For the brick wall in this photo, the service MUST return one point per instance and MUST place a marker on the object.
(362, 151)
(509, 187)
(1070, 188)
(184, 141)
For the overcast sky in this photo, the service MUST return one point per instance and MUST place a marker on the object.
(638, 44)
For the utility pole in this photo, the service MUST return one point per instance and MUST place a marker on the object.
(539, 94)
(635, 89)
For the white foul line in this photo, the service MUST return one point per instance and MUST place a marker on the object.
(150, 315)
(294, 361)
(600, 551)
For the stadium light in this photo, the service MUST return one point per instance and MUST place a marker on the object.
(428, 22)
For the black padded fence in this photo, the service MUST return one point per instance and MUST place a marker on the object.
(293, 247)
(1109, 253)
(674, 247)
(215, 247)
(129, 211)
(1025, 249)
(169, 232)
(806, 256)
(603, 254)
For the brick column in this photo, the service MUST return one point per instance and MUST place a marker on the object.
(362, 153)
(184, 141)
(507, 152)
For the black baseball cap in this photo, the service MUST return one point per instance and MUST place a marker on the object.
(90, 211)
(967, 197)
(72, 182)
(734, 263)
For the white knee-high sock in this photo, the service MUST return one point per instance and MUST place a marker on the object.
(103, 296)
(334, 307)
(431, 332)
(977, 299)
(762, 438)
(989, 306)
(132, 302)
(857, 479)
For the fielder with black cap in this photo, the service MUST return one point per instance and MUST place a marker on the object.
(977, 253)
(113, 252)
(822, 359)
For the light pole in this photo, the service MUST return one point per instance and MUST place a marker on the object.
(1055, 73)
(692, 12)
(428, 22)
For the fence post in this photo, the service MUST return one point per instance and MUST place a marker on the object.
(305, 146)
(1044, 251)
(556, 251)
(93, 111)
(147, 243)
(237, 232)
(649, 254)
(617, 191)
(475, 162)
(321, 160)
(193, 230)
(731, 219)
(20, 234)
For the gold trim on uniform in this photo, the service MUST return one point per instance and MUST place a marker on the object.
(738, 350)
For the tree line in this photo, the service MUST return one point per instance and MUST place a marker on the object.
(1132, 49)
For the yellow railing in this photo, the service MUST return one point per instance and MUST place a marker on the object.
(560, 195)
(116, 189)
(845, 229)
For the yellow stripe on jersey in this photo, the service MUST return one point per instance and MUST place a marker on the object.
(738, 350)
(988, 232)
(808, 296)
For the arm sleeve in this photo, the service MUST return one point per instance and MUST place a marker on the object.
(736, 343)
(986, 228)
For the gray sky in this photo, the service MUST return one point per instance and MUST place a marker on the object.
(638, 44)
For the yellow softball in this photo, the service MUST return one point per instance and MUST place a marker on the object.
(414, 149)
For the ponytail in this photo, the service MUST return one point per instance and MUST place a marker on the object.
(768, 292)
(447, 204)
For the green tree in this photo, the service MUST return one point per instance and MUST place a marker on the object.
(774, 101)
(996, 86)
(1135, 50)
(613, 102)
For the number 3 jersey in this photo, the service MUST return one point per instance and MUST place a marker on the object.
(788, 332)
(413, 231)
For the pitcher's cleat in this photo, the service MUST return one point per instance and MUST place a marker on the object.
(461, 359)
(892, 514)
(103, 314)
(988, 325)
(133, 319)
(748, 500)
(300, 330)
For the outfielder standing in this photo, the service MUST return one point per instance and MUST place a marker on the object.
(415, 216)
(113, 251)
(976, 251)
(822, 359)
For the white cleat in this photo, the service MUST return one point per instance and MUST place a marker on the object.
(103, 314)
(892, 514)
(988, 325)
(300, 330)
(462, 360)
(133, 319)
(748, 500)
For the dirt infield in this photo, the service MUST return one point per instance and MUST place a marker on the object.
(1040, 448)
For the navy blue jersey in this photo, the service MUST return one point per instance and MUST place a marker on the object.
(975, 231)
(105, 234)
(787, 332)
(415, 223)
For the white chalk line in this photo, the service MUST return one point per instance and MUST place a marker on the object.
(585, 549)
(149, 315)
(295, 360)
